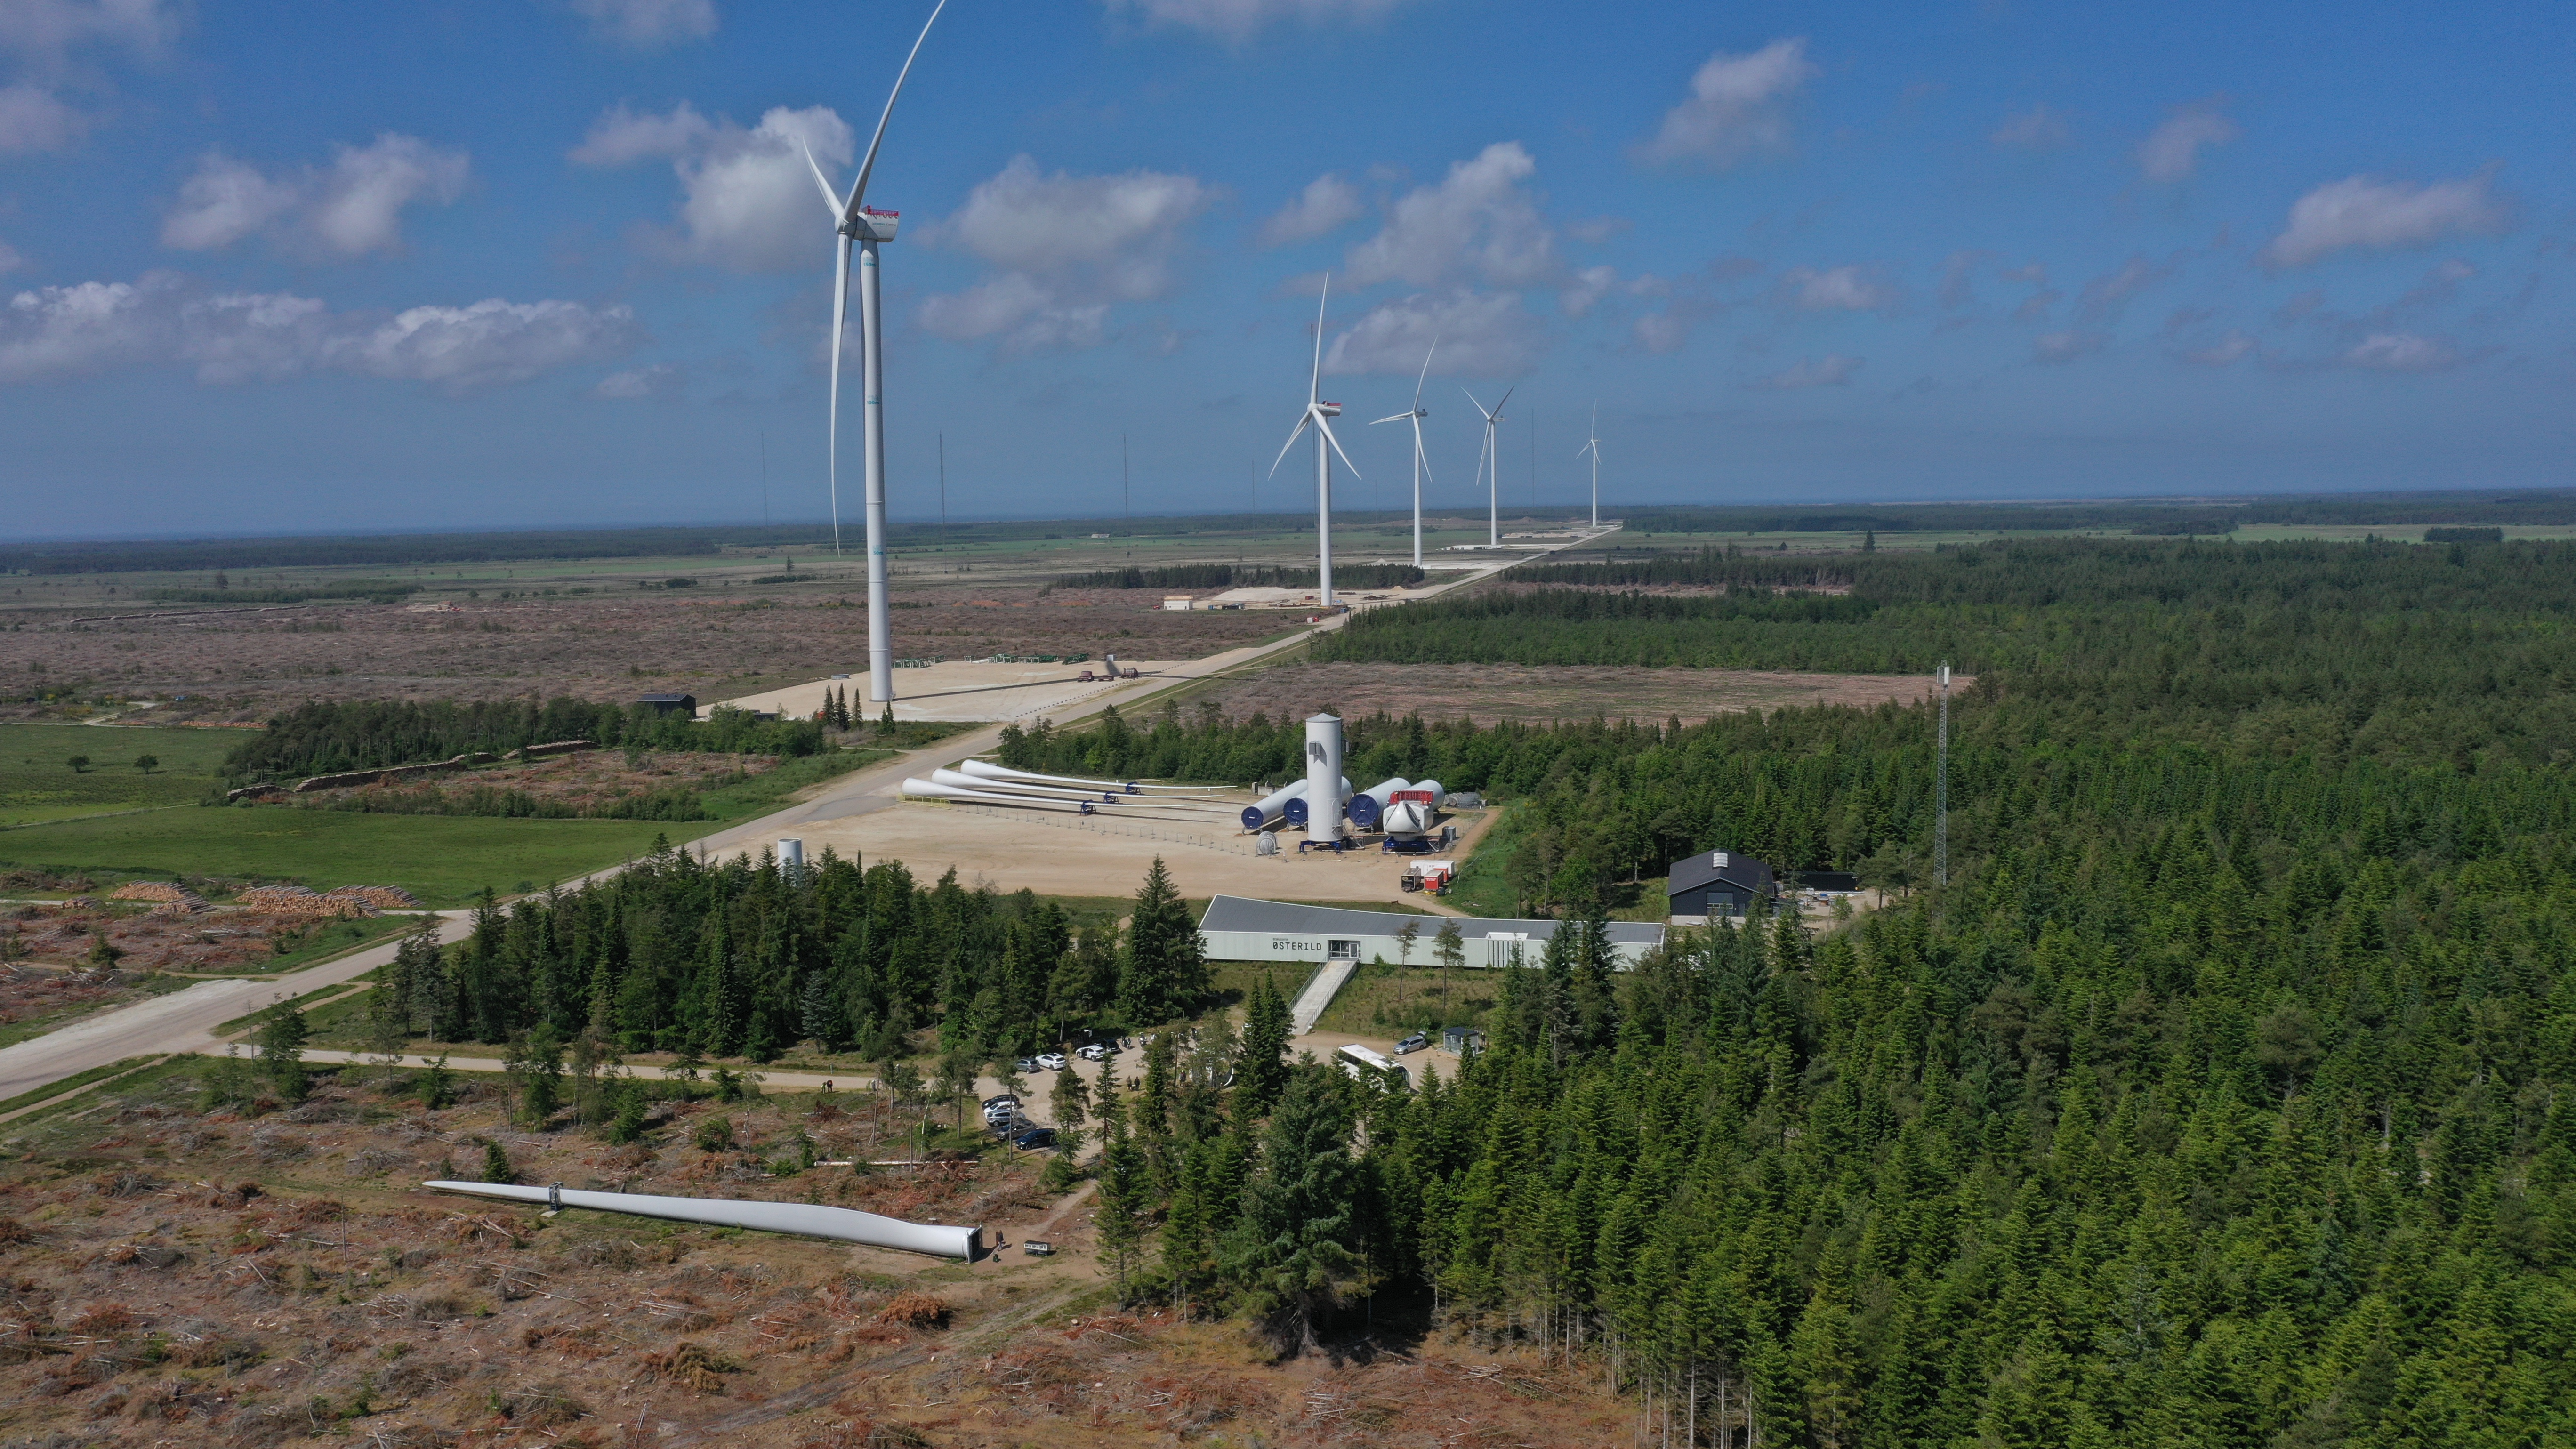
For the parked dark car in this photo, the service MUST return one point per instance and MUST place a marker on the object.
(1034, 1138)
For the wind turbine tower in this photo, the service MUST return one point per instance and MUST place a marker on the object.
(1317, 411)
(854, 221)
(1592, 445)
(1416, 416)
(1490, 464)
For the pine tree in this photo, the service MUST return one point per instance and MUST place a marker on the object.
(1263, 1069)
(283, 1031)
(1296, 1249)
(1162, 974)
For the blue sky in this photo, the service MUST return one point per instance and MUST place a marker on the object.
(299, 267)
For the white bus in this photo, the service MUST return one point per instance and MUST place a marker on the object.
(1366, 1065)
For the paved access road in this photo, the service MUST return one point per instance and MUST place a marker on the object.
(184, 1021)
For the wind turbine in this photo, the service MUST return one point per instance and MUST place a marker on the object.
(1317, 410)
(853, 221)
(1592, 445)
(1490, 464)
(1417, 415)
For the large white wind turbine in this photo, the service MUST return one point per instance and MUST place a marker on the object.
(1317, 410)
(854, 221)
(1490, 464)
(1416, 416)
(1592, 445)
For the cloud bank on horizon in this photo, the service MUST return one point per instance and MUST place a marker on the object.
(1848, 260)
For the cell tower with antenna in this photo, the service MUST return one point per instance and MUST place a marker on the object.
(1941, 791)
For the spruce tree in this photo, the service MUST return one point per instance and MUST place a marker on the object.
(1163, 972)
(1296, 1248)
(283, 1031)
(1263, 1069)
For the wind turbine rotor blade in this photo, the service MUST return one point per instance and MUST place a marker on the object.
(831, 198)
(1421, 459)
(1392, 418)
(1426, 373)
(1292, 442)
(1327, 429)
(840, 320)
(1507, 397)
(1315, 378)
(1480, 407)
(859, 188)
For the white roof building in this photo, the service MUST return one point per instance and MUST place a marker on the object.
(1241, 928)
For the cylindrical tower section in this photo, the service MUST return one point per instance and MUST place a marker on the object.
(1296, 810)
(1266, 811)
(791, 861)
(1413, 809)
(1324, 783)
(1368, 807)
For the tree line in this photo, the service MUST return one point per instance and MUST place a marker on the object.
(328, 736)
(736, 958)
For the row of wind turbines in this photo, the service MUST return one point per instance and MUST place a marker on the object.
(860, 227)
(1488, 457)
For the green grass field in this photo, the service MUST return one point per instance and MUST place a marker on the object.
(36, 785)
(443, 859)
(1391, 1001)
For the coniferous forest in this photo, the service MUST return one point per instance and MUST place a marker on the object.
(2224, 1096)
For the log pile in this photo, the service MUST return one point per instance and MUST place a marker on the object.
(383, 898)
(167, 899)
(295, 900)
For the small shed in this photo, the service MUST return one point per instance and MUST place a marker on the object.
(1716, 883)
(669, 703)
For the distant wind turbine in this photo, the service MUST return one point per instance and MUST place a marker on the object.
(1489, 464)
(852, 220)
(1416, 416)
(1592, 445)
(1317, 410)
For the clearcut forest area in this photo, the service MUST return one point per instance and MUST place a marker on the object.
(2224, 1094)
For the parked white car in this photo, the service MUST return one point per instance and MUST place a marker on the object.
(1094, 1053)
(1050, 1061)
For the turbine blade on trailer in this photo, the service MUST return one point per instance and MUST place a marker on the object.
(991, 771)
(1318, 416)
(859, 188)
(1292, 442)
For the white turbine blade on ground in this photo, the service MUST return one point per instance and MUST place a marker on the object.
(1327, 428)
(859, 188)
(1292, 442)
(831, 198)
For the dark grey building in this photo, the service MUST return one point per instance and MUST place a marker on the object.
(1716, 883)
(669, 703)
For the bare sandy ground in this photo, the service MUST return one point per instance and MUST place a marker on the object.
(958, 692)
(1066, 854)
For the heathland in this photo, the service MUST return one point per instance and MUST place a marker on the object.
(2216, 1085)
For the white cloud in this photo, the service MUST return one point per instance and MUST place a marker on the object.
(2105, 296)
(620, 135)
(2365, 211)
(1237, 21)
(2401, 352)
(1067, 248)
(43, 30)
(1322, 208)
(1478, 221)
(2171, 152)
(747, 200)
(639, 382)
(649, 22)
(2232, 348)
(92, 327)
(1661, 332)
(2037, 129)
(2065, 346)
(1587, 289)
(1841, 289)
(1834, 369)
(31, 119)
(348, 209)
(1481, 334)
(1738, 106)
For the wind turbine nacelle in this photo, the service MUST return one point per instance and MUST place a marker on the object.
(1329, 409)
(875, 225)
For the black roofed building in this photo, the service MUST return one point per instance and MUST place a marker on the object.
(669, 703)
(1716, 883)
